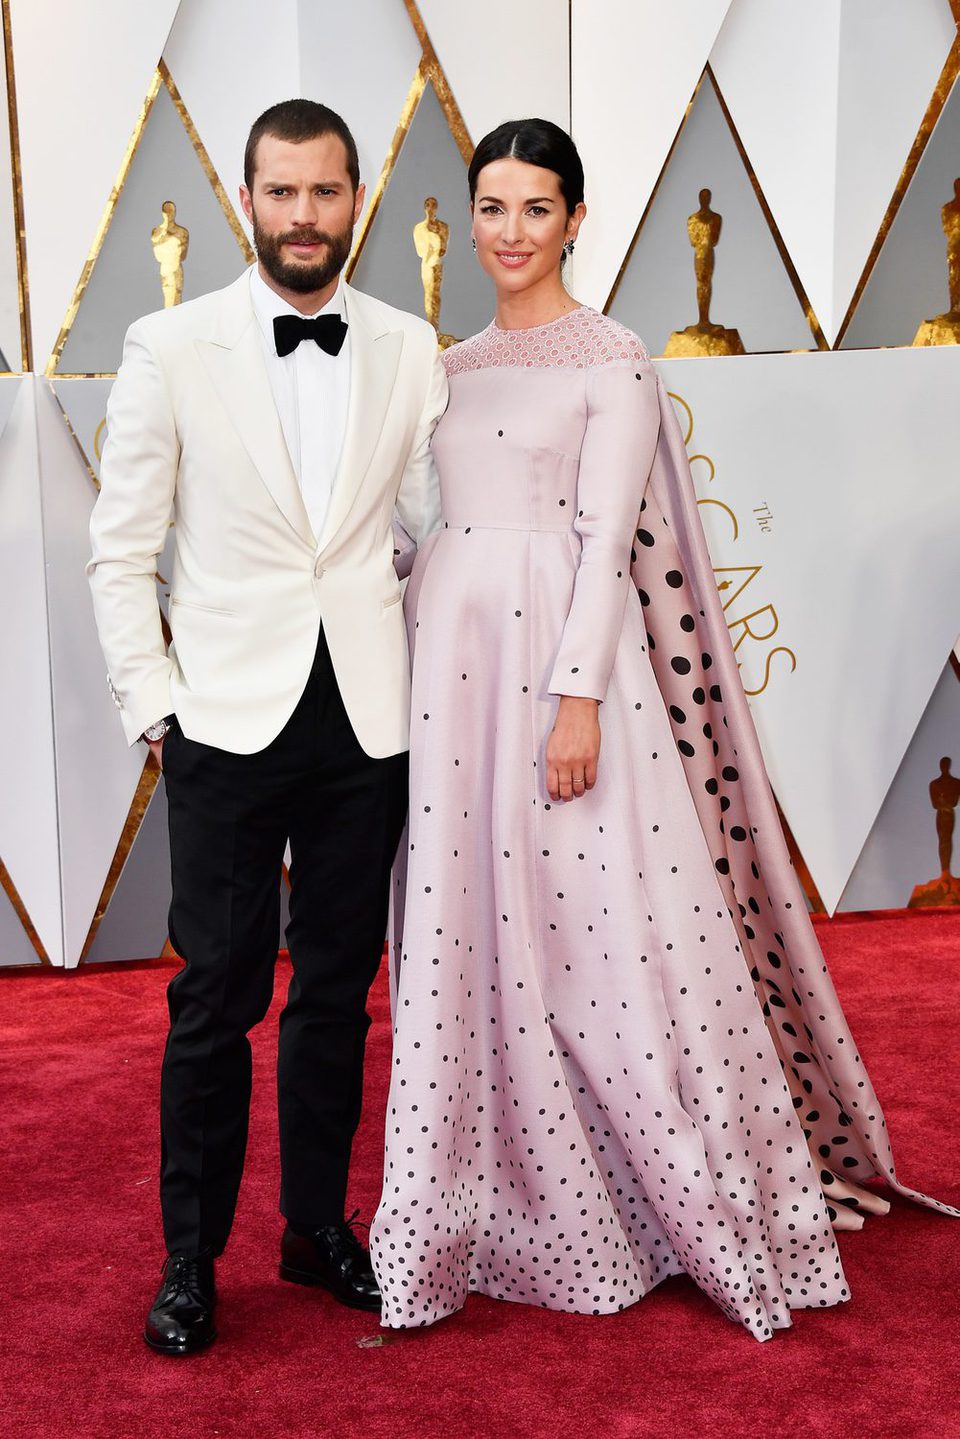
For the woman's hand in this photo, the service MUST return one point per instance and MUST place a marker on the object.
(573, 748)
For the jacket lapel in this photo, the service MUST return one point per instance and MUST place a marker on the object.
(374, 360)
(233, 358)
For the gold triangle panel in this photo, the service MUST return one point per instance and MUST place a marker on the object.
(131, 917)
(428, 166)
(19, 239)
(429, 138)
(879, 312)
(148, 876)
(83, 404)
(911, 857)
(167, 190)
(18, 936)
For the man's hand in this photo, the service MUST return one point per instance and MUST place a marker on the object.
(155, 747)
(573, 748)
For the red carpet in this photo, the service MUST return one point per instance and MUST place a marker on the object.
(79, 1057)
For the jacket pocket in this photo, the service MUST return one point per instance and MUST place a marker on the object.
(206, 609)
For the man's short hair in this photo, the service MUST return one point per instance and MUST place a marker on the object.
(297, 121)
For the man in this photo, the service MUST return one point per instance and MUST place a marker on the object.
(286, 420)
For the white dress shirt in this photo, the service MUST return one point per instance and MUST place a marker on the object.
(311, 390)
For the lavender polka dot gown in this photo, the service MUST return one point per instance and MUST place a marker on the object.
(618, 1054)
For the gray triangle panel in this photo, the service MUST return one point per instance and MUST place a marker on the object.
(429, 164)
(135, 924)
(752, 291)
(125, 282)
(908, 283)
(15, 947)
(901, 851)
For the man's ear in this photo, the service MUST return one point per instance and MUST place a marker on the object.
(246, 203)
(358, 201)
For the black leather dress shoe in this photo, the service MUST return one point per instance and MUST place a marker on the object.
(334, 1259)
(182, 1318)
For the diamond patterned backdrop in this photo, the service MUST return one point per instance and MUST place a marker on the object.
(830, 139)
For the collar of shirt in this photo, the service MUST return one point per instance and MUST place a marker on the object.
(267, 304)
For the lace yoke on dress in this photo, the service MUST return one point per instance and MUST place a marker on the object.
(579, 340)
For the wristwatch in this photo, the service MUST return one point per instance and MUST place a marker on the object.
(155, 732)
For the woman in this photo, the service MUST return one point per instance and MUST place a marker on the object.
(618, 1052)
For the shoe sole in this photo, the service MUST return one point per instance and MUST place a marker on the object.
(179, 1351)
(313, 1281)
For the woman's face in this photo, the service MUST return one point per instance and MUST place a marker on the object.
(520, 223)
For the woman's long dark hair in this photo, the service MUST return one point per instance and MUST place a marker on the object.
(536, 142)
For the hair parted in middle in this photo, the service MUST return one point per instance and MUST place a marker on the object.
(297, 121)
(535, 142)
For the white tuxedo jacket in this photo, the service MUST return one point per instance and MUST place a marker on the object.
(192, 427)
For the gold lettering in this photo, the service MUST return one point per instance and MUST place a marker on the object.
(681, 401)
(727, 510)
(749, 633)
(780, 650)
(724, 585)
(692, 459)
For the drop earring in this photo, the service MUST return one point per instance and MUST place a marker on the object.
(473, 241)
(568, 248)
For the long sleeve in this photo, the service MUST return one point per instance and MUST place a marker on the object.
(127, 532)
(623, 423)
(418, 500)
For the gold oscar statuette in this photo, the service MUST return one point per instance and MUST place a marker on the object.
(945, 890)
(945, 329)
(170, 242)
(430, 238)
(704, 338)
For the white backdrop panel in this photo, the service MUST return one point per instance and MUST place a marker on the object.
(229, 67)
(516, 63)
(634, 64)
(852, 455)
(827, 101)
(337, 48)
(28, 814)
(84, 403)
(891, 55)
(838, 468)
(8, 399)
(777, 67)
(95, 59)
(97, 773)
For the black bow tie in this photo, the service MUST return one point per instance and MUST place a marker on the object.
(329, 331)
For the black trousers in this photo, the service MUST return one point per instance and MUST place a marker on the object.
(230, 818)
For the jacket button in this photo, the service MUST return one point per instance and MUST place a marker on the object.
(318, 570)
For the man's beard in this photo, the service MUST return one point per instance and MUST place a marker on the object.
(302, 278)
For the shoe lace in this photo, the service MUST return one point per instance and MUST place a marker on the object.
(181, 1274)
(354, 1242)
